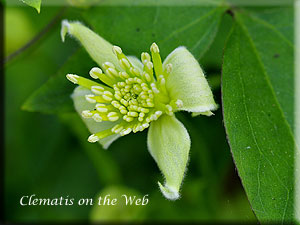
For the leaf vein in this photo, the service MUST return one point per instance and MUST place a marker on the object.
(203, 36)
(270, 26)
(181, 29)
(247, 113)
(266, 76)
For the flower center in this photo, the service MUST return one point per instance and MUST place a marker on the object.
(133, 97)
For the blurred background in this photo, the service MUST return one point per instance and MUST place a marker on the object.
(48, 155)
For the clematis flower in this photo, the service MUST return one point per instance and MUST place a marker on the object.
(134, 95)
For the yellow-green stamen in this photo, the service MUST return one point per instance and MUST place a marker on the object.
(133, 97)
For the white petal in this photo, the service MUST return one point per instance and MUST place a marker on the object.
(81, 104)
(99, 49)
(188, 83)
(169, 144)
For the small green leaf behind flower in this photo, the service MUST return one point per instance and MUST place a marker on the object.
(34, 3)
(134, 95)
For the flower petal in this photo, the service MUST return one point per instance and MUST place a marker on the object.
(169, 144)
(99, 49)
(207, 113)
(81, 104)
(136, 62)
(188, 83)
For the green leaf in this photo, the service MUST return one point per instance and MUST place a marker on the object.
(257, 89)
(55, 95)
(134, 29)
(135, 34)
(276, 53)
(169, 144)
(34, 3)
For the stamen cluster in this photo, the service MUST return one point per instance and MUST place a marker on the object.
(134, 96)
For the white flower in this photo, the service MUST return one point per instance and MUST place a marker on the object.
(135, 95)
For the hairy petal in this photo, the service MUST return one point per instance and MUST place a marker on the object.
(81, 104)
(98, 48)
(188, 83)
(169, 144)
